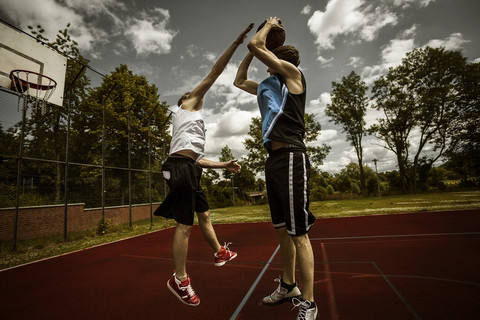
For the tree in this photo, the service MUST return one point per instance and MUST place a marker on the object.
(256, 152)
(313, 128)
(225, 156)
(463, 154)
(419, 96)
(123, 100)
(348, 108)
(241, 182)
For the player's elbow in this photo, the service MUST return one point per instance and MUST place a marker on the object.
(254, 45)
(238, 83)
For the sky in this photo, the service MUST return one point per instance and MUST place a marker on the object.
(174, 44)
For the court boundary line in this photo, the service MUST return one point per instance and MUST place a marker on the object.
(245, 298)
(328, 277)
(80, 250)
(397, 292)
(398, 236)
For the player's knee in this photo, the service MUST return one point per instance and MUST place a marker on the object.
(183, 228)
(204, 216)
(301, 240)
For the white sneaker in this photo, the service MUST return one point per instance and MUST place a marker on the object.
(305, 312)
(281, 294)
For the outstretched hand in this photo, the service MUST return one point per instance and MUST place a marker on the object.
(275, 22)
(244, 33)
(233, 166)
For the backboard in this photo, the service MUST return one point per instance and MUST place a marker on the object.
(20, 51)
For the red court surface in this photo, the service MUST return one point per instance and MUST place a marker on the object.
(401, 266)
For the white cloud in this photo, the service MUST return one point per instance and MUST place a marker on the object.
(52, 16)
(234, 122)
(317, 106)
(348, 17)
(150, 34)
(306, 10)
(391, 56)
(98, 8)
(327, 136)
(230, 96)
(355, 62)
(393, 53)
(453, 42)
(210, 56)
(407, 3)
(325, 62)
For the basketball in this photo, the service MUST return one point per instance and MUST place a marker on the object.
(275, 38)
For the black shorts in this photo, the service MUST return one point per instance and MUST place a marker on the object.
(287, 172)
(186, 195)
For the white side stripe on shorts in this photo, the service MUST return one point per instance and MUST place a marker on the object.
(305, 191)
(290, 193)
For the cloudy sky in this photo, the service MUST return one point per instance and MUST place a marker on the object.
(175, 44)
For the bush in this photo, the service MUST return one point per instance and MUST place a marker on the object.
(330, 189)
(318, 193)
(103, 226)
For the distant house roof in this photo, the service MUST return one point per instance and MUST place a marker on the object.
(256, 193)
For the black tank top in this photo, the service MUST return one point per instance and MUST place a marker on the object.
(290, 127)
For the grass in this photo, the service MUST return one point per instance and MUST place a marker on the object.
(36, 249)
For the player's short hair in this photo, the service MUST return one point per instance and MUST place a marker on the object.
(288, 53)
(185, 96)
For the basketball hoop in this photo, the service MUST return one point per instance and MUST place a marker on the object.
(30, 84)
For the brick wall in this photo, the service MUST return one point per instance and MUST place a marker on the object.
(41, 221)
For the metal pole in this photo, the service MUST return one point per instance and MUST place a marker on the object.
(378, 181)
(65, 211)
(103, 149)
(19, 172)
(150, 172)
(67, 147)
(130, 166)
(233, 192)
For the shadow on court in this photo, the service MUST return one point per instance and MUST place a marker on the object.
(401, 266)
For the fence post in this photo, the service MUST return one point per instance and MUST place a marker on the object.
(67, 146)
(130, 164)
(19, 171)
(103, 148)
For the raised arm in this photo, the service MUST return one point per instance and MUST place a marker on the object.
(194, 101)
(241, 79)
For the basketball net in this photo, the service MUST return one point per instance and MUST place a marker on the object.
(33, 86)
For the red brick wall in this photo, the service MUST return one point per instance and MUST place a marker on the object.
(34, 222)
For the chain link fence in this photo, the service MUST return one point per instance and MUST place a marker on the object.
(102, 155)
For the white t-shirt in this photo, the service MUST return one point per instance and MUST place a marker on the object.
(188, 132)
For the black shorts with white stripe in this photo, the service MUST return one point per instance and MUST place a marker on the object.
(287, 172)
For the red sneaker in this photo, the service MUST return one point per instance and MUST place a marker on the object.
(183, 290)
(224, 255)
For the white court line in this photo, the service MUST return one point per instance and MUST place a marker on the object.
(397, 292)
(244, 300)
(328, 275)
(399, 236)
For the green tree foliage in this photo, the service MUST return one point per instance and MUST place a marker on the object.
(463, 154)
(313, 129)
(257, 154)
(420, 96)
(127, 104)
(348, 108)
(225, 156)
(242, 182)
